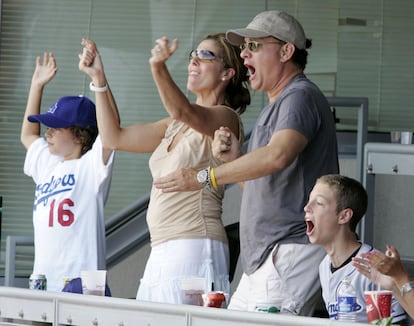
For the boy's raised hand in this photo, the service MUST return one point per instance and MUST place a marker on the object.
(89, 60)
(45, 70)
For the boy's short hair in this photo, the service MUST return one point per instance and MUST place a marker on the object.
(349, 193)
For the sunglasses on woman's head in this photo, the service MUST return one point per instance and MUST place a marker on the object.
(202, 55)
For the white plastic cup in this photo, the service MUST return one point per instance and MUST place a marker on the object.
(93, 282)
(406, 137)
(192, 290)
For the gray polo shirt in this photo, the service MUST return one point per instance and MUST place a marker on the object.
(272, 206)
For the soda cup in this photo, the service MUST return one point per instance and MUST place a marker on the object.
(38, 282)
(192, 290)
(378, 304)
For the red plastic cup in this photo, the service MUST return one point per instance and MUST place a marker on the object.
(378, 304)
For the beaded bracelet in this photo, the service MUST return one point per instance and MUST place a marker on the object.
(94, 88)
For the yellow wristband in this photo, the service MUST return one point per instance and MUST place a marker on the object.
(213, 179)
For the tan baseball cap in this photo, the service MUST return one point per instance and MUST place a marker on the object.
(278, 24)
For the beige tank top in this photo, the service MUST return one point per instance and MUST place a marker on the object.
(190, 214)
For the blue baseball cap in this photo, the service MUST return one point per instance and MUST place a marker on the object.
(68, 111)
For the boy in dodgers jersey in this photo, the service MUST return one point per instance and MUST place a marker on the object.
(72, 171)
(335, 207)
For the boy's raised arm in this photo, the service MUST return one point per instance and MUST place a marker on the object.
(44, 72)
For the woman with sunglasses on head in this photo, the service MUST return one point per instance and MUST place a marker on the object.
(188, 239)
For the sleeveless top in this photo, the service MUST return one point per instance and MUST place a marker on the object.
(188, 214)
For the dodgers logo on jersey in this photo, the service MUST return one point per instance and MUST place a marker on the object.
(47, 190)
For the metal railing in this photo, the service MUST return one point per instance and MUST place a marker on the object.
(21, 306)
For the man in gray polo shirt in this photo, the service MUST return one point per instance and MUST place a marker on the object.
(293, 143)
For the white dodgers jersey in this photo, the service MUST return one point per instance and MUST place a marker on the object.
(68, 211)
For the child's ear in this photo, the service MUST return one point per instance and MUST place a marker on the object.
(345, 216)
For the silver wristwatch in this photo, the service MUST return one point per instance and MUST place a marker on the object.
(203, 177)
(407, 287)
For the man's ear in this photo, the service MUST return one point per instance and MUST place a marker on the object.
(286, 52)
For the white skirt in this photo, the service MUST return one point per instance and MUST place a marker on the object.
(176, 260)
